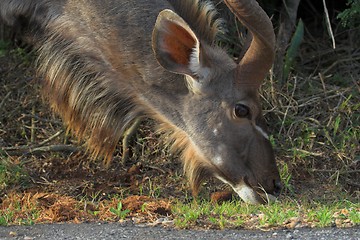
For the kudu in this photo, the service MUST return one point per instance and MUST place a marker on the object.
(105, 63)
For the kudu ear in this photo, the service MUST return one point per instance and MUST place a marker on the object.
(175, 45)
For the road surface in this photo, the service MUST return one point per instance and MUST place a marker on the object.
(112, 231)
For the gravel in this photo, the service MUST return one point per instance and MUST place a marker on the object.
(111, 231)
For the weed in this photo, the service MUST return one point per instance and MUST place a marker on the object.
(189, 214)
(119, 212)
(354, 216)
(11, 174)
(322, 216)
(19, 211)
(6, 217)
(213, 220)
(293, 49)
(285, 176)
(154, 190)
(237, 214)
(4, 47)
(350, 17)
(222, 222)
(94, 213)
(275, 214)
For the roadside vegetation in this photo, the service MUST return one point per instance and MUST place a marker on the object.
(313, 117)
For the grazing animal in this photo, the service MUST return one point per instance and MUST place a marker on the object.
(106, 63)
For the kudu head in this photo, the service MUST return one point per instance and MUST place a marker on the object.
(223, 133)
(99, 86)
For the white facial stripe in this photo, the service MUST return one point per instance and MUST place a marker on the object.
(216, 132)
(270, 198)
(262, 132)
(246, 193)
(223, 180)
(218, 160)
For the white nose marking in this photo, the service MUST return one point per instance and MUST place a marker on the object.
(216, 131)
(245, 192)
(262, 132)
(218, 160)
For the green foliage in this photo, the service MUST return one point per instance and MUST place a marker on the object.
(285, 175)
(354, 216)
(351, 17)
(4, 47)
(293, 48)
(19, 214)
(276, 214)
(238, 214)
(119, 212)
(188, 213)
(5, 218)
(322, 216)
(11, 174)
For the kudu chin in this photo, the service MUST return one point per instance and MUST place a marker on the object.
(106, 63)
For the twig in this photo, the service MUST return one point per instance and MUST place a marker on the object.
(52, 148)
(288, 107)
(321, 76)
(4, 100)
(309, 153)
(45, 182)
(328, 24)
(50, 138)
(40, 119)
(25, 147)
(351, 59)
(311, 101)
(334, 171)
(22, 147)
(353, 184)
(156, 168)
(32, 129)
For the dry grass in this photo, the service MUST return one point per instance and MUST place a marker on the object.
(316, 114)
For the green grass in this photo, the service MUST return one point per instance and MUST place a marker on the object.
(322, 216)
(241, 215)
(19, 213)
(4, 47)
(119, 211)
(277, 214)
(285, 175)
(11, 174)
(6, 217)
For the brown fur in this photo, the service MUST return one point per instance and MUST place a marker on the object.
(66, 89)
(104, 130)
(196, 167)
(201, 17)
(87, 105)
(102, 70)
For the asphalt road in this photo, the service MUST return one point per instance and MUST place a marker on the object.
(110, 231)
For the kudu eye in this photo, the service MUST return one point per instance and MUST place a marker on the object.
(241, 110)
